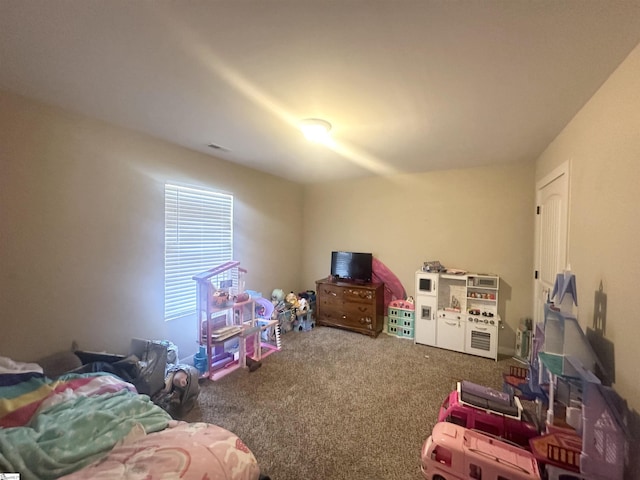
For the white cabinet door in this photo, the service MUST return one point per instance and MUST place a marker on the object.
(427, 283)
(450, 331)
(425, 320)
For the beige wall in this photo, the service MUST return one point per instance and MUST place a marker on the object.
(82, 230)
(602, 146)
(479, 219)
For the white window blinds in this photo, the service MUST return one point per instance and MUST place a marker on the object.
(198, 236)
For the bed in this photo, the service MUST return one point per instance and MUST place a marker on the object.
(95, 425)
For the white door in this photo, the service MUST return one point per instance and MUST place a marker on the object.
(552, 206)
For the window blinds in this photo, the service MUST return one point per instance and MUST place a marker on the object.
(198, 236)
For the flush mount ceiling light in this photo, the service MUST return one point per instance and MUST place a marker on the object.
(315, 129)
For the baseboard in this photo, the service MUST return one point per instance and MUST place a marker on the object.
(506, 351)
(187, 360)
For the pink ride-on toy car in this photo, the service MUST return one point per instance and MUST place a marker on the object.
(497, 413)
(453, 452)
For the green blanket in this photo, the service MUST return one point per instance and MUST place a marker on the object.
(72, 434)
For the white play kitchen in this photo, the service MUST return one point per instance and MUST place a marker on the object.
(458, 311)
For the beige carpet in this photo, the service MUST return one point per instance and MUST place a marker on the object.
(337, 405)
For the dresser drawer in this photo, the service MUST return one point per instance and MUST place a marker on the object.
(331, 290)
(359, 295)
(329, 301)
(348, 319)
(359, 309)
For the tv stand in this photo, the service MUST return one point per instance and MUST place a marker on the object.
(358, 307)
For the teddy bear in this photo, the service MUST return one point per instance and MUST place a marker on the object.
(292, 301)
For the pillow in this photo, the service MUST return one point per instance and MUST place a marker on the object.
(58, 363)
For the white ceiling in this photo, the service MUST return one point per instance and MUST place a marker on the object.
(408, 85)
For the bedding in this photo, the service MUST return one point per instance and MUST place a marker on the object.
(187, 450)
(95, 425)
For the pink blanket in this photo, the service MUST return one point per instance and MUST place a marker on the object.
(193, 451)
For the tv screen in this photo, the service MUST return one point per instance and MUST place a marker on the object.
(352, 266)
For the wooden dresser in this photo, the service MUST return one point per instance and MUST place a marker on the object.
(354, 306)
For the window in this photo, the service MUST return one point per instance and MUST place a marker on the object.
(198, 235)
(487, 428)
(475, 471)
(442, 455)
(459, 418)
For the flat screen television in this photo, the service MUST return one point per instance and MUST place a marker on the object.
(353, 266)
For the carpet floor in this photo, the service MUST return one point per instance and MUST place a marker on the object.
(334, 404)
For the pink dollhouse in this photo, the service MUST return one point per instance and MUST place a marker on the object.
(227, 321)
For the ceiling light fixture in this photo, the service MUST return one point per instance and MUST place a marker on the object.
(315, 129)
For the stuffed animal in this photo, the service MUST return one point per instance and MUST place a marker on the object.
(180, 390)
(303, 307)
(179, 379)
(292, 300)
(277, 299)
(277, 296)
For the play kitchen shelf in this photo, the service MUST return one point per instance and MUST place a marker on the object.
(482, 295)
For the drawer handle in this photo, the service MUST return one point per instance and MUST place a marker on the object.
(344, 317)
(452, 324)
(363, 309)
(333, 293)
